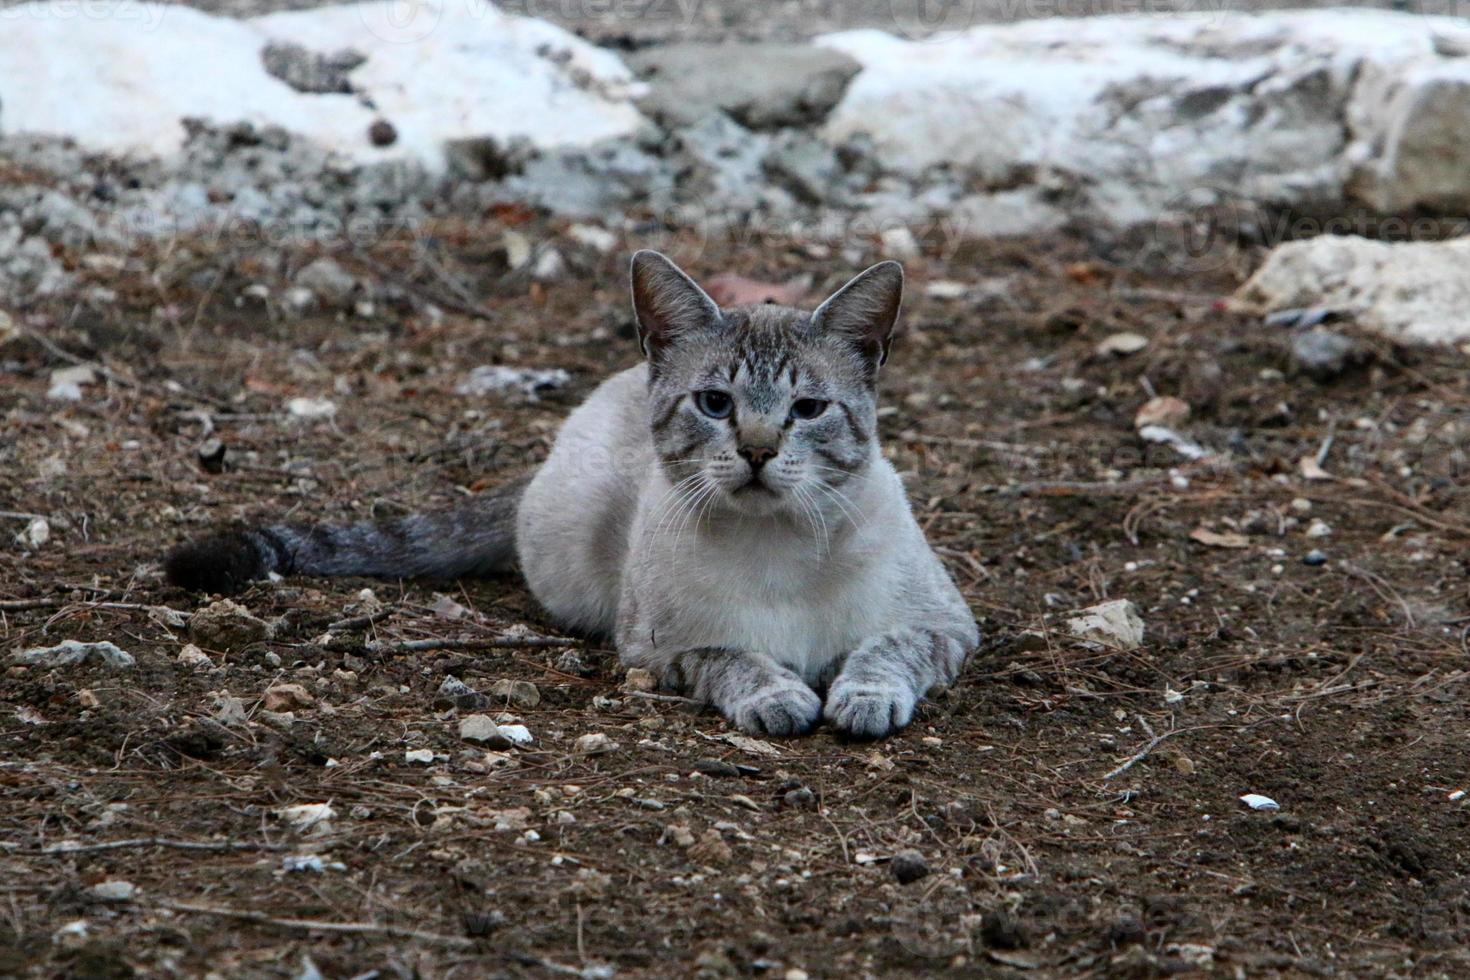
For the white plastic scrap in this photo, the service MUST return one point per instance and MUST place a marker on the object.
(1258, 802)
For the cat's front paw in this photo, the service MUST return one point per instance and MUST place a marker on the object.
(865, 710)
(784, 709)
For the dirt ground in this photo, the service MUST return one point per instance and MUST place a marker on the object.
(1338, 689)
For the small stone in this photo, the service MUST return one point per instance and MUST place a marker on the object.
(1121, 345)
(1165, 410)
(88, 699)
(594, 743)
(908, 867)
(1318, 528)
(571, 662)
(1000, 930)
(455, 693)
(717, 767)
(1114, 624)
(1321, 354)
(482, 729)
(420, 756)
(1126, 930)
(311, 408)
(70, 653)
(680, 834)
(899, 243)
(801, 798)
(303, 816)
(285, 697)
(382, 133)
(520, 694)
(1314, 558)
(211, 455)
(710, 849)
(37, 532)
(638, 679)
(115, 890)
(328, 282)
(518, 734)
(67, 382)
(227, 625)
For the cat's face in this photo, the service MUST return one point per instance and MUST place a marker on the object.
(763, 409)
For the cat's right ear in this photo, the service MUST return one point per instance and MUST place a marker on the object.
(667, 303)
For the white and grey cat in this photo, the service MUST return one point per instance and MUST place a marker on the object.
(723, 511)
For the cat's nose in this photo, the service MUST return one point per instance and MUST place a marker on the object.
(757, 456)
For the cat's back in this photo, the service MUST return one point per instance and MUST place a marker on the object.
(572, 527)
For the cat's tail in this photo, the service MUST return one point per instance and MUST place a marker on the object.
(473, 539)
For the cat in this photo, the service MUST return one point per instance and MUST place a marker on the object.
(722, 511)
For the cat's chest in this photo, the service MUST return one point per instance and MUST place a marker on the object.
(798, 602)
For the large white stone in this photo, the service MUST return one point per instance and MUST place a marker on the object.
(1134, 117)
(122, 80)
(1412, 291)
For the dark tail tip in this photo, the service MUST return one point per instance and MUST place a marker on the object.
(224, 562)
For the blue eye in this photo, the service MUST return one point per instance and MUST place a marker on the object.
(715, 404)
(806, 409)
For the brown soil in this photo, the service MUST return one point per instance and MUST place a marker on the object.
(1339, 689)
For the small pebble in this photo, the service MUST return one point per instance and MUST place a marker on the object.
(1314, 558)
(382, 133)
(908, 867)
(717, 767)
(594, 743)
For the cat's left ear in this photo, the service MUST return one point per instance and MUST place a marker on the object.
(865, 311)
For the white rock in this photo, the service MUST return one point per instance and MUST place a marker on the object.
(312, 408)
(518, 734)
(499, 379)
(481, 728)
(593, 237)
(899, 243)
(1258, 802)
(1318, 528)
(1412, 291)
(594, 743)
(303, 816)
(1142, 116)
(67, 383)
(195, 658)
(1115, 624)
(36, 533)
(69, 653)
(1121, 344)
(439, 70)
(115, 890)
(420, 756)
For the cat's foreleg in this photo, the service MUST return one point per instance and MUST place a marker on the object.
(881, 682)
(751, 689)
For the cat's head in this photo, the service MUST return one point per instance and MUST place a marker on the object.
(764, 409)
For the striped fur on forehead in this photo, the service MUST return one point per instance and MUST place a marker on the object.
(769, 346)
